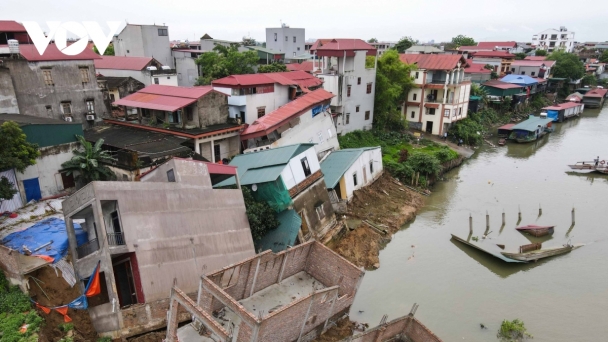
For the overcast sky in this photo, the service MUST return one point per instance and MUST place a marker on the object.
(383, 19)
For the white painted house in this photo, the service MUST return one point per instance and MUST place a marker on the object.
(147, 70)
(185, 66)
(285, 39)
(303, 120)
(553, 39)
(144, 41)
(252, 96)
(343, 71)
(351, 169)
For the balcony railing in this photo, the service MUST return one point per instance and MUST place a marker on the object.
(116, 239)
(437, 81)
(87, 248)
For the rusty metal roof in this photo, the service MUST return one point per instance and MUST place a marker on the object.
(52, 53)
(161, 97)
(123, 62)
(500, 84)
(304, 66)
(501, 54)
(11, 26)
(597, 92)
(433, 62)
(341, 44)
(300, 78)
(476, 68)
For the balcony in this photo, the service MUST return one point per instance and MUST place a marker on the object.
(116, 239)
(436, 81)
(87, 248)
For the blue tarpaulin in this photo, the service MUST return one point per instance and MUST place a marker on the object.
(43, 232)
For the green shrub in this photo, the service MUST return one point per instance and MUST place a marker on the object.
(424, 163)
(16, 310)
(66, 327)
(104, 339)
(513, 331)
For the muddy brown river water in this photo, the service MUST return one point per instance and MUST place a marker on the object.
(564, 298)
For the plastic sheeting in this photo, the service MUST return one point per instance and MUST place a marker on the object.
(275, 194)
(51, 229)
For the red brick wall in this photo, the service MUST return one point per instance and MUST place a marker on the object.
(337, 272)
(417, 332)
(412, 328)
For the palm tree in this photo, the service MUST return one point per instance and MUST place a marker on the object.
(88, 163)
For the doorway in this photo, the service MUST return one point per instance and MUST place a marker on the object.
(429, 127)
(125, 282)
(32, 189)
(217, 153)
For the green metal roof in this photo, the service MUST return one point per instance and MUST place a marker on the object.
(265, 50)
(263, 166)
(532, 123)
(336, 164)
(474, 98)
(284, 235)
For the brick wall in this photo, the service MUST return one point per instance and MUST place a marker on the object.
(406, 327)
(337, 272)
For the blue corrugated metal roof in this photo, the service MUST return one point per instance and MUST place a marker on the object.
(252, 167)
(336, 164)
(532, 123)
(284, 235)
(523, 80)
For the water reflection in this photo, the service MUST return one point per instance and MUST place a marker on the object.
(589, 177)
(525, 150)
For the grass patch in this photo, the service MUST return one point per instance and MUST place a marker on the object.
(15, 311)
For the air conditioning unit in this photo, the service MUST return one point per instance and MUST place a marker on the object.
(90, 117)
(151, 68)
(165, 67)
(68, 119)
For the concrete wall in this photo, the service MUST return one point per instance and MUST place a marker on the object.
(289, 47)
(212, 109)
(47, 169)
(187, 70)
(139, 75)
(364, 175)
(8, 98)
(143, 41)
(170, 80)
(294, 173)
(270, 101)
(33, 95)
(518, 69)
(306, 204)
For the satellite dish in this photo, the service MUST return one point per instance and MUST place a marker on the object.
(254, 187)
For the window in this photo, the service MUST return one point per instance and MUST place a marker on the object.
(431, 111)
(294, 39)
(348, 87)
(329, 134)
(305, 166)
(371, 166)
(347, 118)
(417, 74)
(369, 88)
(68, 181)
(320, 135)
(446, 113)
(532, 73)
(275, 36)
(155, 80)
(91, 107)
(84, 75)
(189, 115)
(512, 69)
(358, 80)
(66, 107)
(460, 111)
(367, 114)
(101, 298)
(48, 78)
(523, 72)
(357, 109)
(413, 114)
(320, 212)
(298, 49)
(553, 37)
(163, 32)
(49, 111)
(414, 97)
(261, 111)
(115, 222)
(171, 175)
(354, 178)
(286, 38)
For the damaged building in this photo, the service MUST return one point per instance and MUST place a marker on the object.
(148, 236)
(294, 295)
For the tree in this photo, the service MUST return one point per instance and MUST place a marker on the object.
(404, 43)
(261, 216)
(604, 57)
(16, 152)
(424, 163)
(109, 50)
(370, 62)
(372, 40)
(89, 162)
(248, 41)
(461, 40)
(7, 190)
(224, 62)
(274, 67)
(393, 82)
(567, 65)
(589, 80)
(540, 53)
(520, 55)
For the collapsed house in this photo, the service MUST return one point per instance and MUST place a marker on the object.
(148, 236)
(293, 295)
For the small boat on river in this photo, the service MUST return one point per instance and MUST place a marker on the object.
(589, 166)
(539, 253)
(502, 142)
(535, 230)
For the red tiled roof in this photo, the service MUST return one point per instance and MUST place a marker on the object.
(535, 58)
(11, 26)
(162, 97)
(539, 80)
(530, 63)
(275, 119)
(304, 66)
(493, 45)
(122, 62)
(52, 53)
(433, 62)
(475, 68)
(597, 92)
(561, 106)
(342, 44)
(300, 78)
(503, 54)
(501, 85)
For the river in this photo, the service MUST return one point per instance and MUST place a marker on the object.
(564, 298)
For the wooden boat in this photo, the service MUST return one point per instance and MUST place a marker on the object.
(540, 253)
(535, 230)
(589, 166)
(502, 142)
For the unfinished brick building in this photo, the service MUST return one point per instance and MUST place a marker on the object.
(289, 296)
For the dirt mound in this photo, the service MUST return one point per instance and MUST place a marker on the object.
(156, 336)
(343, 329)
(388, 205)
(59, 293)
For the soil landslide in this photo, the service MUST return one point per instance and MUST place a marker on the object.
(342, 329)
(386, 204)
